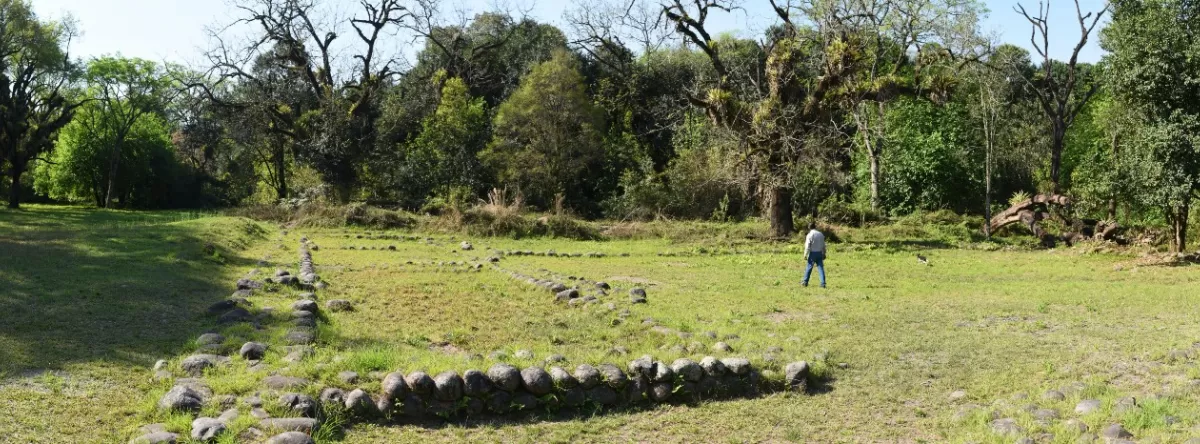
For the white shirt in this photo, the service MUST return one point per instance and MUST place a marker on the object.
(815, 241)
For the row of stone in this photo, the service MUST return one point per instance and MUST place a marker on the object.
(191, 394)
(573, 295)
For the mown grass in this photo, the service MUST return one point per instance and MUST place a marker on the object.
(891, 338)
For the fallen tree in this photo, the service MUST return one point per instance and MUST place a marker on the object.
(1031, 212)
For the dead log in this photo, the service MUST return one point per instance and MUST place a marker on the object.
(1028, 212)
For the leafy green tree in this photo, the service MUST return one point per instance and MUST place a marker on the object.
(1154, 64)
(931, 161)
(35, 73)
(81, 170)
(125, 91)
(547, 134)
(444, 157)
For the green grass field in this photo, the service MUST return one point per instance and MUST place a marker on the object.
(90, 299)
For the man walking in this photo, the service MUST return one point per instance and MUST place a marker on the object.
(814, 253)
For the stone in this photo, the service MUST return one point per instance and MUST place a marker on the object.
(795, 375)
(562, 378)
(394, 386)
(637, 296)
(1006, 426)
(537, 381)
(210, 339)
(333, 395)
(505, 377)
(161, 364)
(308, 305)
(237, 314)
(638, 389)
(574, 397)
(476, 384)
(248, 284)
(612, 376)
(660, 392)
(360, 403)
(163, 437)
(466, 246)
(661, 372)
(420, 384)
(525, 401)
(300, 336)
(1115, 431)
(1076, 425)
(566, 295)
(1053, 396)
(291, 438)
(523, 354)
(587, 376)
(280, 382)
(687, 369)
(182, 398)
(603, 395)
(737, 366)
(957, 395)
(195, 365)
(722, 347)
(448, 386)
(206, 429)
(642, 366)
(500, 402)
(348, 376)
(555, 358)
(300, 403)
(603, 286)
(297, 353)
(253, 350)
(229, 415)
(1125, 404)
(713, 367)
(338, 305)
(1046, 415)
(1087, 406)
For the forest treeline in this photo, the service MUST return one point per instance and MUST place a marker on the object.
(847, 110)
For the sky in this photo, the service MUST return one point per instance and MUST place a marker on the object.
(175, 30)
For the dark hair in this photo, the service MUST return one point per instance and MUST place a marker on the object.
(812, 225)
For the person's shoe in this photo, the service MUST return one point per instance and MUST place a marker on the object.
(804, 284)
(822, 285)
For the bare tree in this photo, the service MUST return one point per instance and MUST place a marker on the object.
(1059, 98)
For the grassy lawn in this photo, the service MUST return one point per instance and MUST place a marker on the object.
(91, 299)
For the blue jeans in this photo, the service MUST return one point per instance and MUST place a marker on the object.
(815, 258)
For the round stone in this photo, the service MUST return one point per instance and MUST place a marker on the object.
(537, 381)
(1053, 395)
(1115, 431)
(348, 376)
(420, 383)
(562, 378)
(448, 386)
(612, 376)
(336, 305)
(505, 377)
(394, 386)
(291, 438)
(738, 366)
(687, 369)
(713, 367)
(253, 350)
(660, 392)
(722, 347)
(207, 429)
(587, 376)
(1087, 406)
(476, 384)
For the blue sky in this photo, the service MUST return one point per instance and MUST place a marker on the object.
(174, 30)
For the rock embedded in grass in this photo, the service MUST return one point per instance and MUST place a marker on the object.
(722, 347)
(332, 395)
(1045, 415)
(360, 403)
(795, 376)
(523, 354)
(1053, 396)
(163, 437)
(291, 438)
(566, 295)
(1087, 406)
(280, 382)
(957, 395)
(339, 305)
(308, 305)
(237, 314)
(210, 339)
(1115, 431)
(207, 429)
(1075, 425)
(1006, 426)
(253, 350)
(394, 386)
(182, 398)
(348, 376)
(195, 365)
(300, 336)
(737, 366)
(637, 296)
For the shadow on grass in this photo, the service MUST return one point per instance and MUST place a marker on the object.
(89, 286)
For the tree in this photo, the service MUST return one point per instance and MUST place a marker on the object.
(35, 73)
(784, 112)
(1060, 88)
(546, 134)
(125, 90)
(444, 156)
(1154, 64)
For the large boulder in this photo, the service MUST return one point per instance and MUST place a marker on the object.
(308, 305)
(637, 296)
(795, 375)
(299, 403)
(420, 384)
(562, 378)
(305, 425)
(713, 367)
(687, 369)
(360, 403)
(737, 366)
(394, 386)
(612, 376)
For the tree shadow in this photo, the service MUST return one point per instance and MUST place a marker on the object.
(87, 286)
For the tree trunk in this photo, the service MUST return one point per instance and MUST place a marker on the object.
(874, 159)
(987, 175)
(281, 179)
(1179, 223)
(14, 192)
(1112, 202)
(779, 212)
(1056, 150)
(112, 175)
